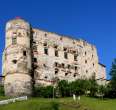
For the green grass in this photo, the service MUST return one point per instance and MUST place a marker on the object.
(99, 104)
(86, 103)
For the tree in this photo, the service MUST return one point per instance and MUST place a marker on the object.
(113, 78)
(101, 90)
(64, 88)
(93, 86)
(78, 87)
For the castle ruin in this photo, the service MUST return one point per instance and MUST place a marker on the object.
(37, 57)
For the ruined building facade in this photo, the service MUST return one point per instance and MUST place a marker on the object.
(36, 57)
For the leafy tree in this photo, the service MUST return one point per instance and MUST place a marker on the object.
(48, 92)
(93, 86)
(101, 90)
(108, 91)
(64, 88)
(77, 87)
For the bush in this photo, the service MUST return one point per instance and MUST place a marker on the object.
(109, 93)
(93, 87)
(1, 90)
(78, 87)
(64, 88)
(46, 92)
(67, 89)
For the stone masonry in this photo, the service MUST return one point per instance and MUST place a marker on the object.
(36, 57)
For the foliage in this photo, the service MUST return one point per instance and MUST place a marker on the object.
(1, 90)
(101, 91)
(67, 89)
(113, 79)
(78, 87)
(41, 91)
(93, 87)
(111, 92)
(64, 88)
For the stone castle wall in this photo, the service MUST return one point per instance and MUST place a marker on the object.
(84, 65)
(33, 56)
(17, 59)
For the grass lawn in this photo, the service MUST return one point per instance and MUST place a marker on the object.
(86, 103)
(98, 104)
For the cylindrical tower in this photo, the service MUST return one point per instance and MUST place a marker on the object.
(17, 58)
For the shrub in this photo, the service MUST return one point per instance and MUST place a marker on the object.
(1, 90)
(64, 88)
(67, 89)
(93, 87)
(41, 91)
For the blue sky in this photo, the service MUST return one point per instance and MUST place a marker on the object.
(92, 20)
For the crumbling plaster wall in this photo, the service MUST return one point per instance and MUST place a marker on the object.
(47, 56)
(87, 59)
(17, 59)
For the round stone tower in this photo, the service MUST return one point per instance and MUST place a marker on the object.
(17, 58)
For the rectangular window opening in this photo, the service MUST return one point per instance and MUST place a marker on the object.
(56, 71)
(35, 48)
(46, 51)
(75, 57)
(35, 60)
(75, 68)
(24, 53)
(65, 55)
(56, 64)
(69, 66)
(45, 44)
(62, 65)
(56, 53)
(14, 40)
